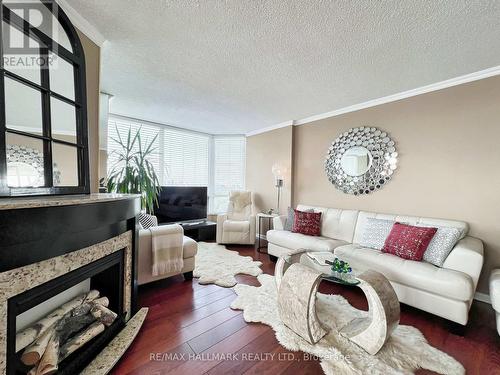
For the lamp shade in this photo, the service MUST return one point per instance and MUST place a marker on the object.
(278, 170)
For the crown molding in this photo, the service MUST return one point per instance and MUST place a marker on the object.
(81, 23)
(272, 127)
(406, 94)
(476, 76)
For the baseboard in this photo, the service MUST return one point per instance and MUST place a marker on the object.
(261, 236)
(482, 297)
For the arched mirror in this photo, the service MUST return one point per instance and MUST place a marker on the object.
(43, 109)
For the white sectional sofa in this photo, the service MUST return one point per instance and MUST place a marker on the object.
(447, 292)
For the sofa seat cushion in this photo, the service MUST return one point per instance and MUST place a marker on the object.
(236, 226)
(295, 241)
(495, 289)
(189, 247)
(418, 275)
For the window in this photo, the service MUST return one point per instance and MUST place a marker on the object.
(187, 158)
(43, 99)
(229, 170)
(119, 129)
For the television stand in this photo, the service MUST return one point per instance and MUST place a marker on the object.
(199, 230)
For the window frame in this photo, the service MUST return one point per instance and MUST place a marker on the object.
(77, 60)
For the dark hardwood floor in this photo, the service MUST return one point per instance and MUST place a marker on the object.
(190, 329)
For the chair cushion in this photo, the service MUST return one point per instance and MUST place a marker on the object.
(190, 247)
(295, 241)
(147, 221)
(418, 275)
(236, 226)
(495, 289)
(408, 241)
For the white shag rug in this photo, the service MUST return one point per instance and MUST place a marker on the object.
(214, 264)
(406, 350)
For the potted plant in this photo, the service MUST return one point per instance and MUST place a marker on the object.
(133, 173)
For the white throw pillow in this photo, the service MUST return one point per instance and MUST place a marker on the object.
(376, 232)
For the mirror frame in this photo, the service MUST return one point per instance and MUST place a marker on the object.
(75, 58)
(383, 154)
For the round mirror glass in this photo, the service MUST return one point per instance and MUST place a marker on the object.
(356, 161)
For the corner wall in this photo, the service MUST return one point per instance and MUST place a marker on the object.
(263, 151)
(449, 163)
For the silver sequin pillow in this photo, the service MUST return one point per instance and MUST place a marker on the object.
(441, 245)
(376, 232)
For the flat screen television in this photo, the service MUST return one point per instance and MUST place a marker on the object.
(181, 203)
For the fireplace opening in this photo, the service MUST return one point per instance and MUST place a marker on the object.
(86, 311)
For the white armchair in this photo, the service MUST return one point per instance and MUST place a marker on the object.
(237, 226)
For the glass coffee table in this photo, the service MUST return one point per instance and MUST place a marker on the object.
(299, 282)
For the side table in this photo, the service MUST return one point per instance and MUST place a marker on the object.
(262, 217)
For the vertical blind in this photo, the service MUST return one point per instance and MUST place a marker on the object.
(185, 158)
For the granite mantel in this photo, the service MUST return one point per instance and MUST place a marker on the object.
(61, 200)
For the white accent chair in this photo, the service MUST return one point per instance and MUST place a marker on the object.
(237, 226)
(495, 294)
(447, 291)
(144, 259)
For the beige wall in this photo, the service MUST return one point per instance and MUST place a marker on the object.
(449, 146)
(93, 64)
(263, 151)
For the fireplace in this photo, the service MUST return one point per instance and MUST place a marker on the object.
(98, 256)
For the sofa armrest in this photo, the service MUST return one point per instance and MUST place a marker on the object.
(467, 257)
(279, 222)
(221, 218)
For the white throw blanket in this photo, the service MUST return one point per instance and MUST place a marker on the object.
(166, 247)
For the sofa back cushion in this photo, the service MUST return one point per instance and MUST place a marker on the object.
(335, 223)
(412, 220)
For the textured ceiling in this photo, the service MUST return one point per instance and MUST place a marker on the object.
(238, 65)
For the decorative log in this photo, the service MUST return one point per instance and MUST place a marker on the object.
(67, 326)
(50, 359)
(34, 352)
(104, 301)
(103, 314)
(80, 339)
(31, 333)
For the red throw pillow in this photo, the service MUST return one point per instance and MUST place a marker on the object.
(408, 241)
(307, 223)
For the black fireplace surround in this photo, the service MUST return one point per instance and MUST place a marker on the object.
(31, 235)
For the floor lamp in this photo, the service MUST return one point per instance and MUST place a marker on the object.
(278, 183)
